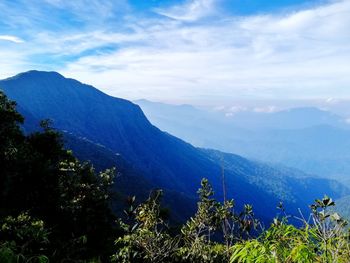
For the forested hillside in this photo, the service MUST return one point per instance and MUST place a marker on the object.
(54, 208)
(149, 158)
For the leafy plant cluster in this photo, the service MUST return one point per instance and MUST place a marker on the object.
(323, 237)
(217, 234)
(54, 208)
(205, 237)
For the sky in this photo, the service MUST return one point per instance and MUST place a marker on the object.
(185, 51)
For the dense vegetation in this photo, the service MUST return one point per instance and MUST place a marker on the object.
(55, 209)
(148, 158)
(50, 203)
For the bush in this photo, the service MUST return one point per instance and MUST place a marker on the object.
(23, 239)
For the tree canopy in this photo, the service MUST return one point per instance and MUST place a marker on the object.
(53, 208)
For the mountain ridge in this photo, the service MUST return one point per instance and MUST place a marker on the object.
(164, 160)
(318, 145)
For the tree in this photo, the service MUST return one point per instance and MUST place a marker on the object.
(147, 239)
(11, 142)
(43, 180)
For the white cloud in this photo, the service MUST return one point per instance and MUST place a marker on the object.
(219, 108)
(267, 109)
(12, 63)
(332, 101)
(13, 39)
(231, 111)
(96, 10)
(301, 54)
(235, 109)
(190, 11)
(294, 55)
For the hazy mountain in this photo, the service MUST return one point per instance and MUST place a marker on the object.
(99, 126)
(342, 206)
(294, 118)
(309, 139)
(200, 128)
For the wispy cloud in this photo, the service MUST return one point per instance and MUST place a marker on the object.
(92, 10)
(190, 11)
(181, 56)
(13, 39)
(267, 109)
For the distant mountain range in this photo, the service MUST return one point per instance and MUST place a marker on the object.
(110, 131)
(310, 139)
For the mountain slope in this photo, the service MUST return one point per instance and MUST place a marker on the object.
(309, 139)
(294, 118)
(164, 160)
(129, 181)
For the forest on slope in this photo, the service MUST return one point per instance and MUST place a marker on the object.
(54, 208)
(111, 131)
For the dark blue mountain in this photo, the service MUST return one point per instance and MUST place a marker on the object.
(92, 118)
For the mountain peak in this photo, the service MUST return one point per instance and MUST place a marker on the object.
(37, 74)
(165, 161)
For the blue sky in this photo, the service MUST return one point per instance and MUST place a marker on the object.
(190, 51)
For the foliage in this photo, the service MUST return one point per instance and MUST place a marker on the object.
(197, 233)
(322, 238)
(147, 240)
(55, 208)
(23, 239)
(40, 179)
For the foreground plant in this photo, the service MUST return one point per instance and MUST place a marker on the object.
(146, 238)
(322, 238)
(23, 239)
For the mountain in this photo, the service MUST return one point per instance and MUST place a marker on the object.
(294, 118)
(342, 207)
(117, 130)
(129, 181)
(199, 127)
(313, 140)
